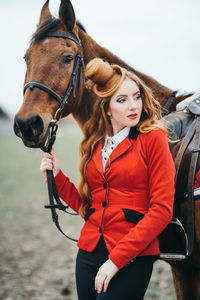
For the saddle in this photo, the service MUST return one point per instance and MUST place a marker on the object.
(177, 240)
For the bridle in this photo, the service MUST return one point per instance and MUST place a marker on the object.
(75, 77)
(72, 86)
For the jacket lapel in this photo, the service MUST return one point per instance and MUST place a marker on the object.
(117, 152)
(97, 156)
(122, 148)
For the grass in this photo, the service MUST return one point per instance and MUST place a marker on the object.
(19, 174)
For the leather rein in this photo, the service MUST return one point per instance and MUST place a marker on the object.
(72, 86)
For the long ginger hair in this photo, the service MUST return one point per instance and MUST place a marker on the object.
(104, 80)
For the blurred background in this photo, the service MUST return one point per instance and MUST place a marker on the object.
(159, 38)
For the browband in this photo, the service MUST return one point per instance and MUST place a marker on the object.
(64, 36)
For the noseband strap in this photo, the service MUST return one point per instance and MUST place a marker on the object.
(43, 87)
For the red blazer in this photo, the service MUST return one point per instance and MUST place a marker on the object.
(132, 201)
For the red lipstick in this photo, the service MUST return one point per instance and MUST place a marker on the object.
(132, 116)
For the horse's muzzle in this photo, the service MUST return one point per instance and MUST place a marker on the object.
(30, 130)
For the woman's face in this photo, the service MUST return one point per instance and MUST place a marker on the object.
(125, 106)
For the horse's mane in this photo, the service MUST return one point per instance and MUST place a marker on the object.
(80, 25)
(50, 25)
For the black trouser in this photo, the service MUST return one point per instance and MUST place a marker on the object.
(130, 282)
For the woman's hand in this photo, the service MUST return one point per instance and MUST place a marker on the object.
(106, 272)
(49, 162)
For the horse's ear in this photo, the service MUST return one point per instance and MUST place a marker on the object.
(45, 13)
(67, 15)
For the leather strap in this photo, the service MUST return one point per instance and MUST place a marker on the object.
(185, 142)
(52, 190)
(64, 36)
(53, 194)
(168, 104)
(43, 87)
(190, 187)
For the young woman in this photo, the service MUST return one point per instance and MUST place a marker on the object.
(126, 189)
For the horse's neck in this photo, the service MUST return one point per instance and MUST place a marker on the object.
(91, 50)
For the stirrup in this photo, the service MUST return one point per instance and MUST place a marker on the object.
(176, 236)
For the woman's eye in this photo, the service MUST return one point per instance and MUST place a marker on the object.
(121, 100)
(68, 59)
(137, 97)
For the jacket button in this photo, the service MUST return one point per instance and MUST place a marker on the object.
(104, 203)
(105, 185)
(100, 229)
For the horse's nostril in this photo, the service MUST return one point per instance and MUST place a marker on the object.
(36, 125)
(29, 130)
(16, 129)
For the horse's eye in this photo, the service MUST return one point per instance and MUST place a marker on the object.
(68, 59)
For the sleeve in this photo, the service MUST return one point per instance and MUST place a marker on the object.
(161, 172)
(67, 191)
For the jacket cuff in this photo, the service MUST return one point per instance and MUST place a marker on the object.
(117, 261)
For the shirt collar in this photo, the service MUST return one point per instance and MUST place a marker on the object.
(120, 136)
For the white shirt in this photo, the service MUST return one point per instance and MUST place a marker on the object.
(112, 142)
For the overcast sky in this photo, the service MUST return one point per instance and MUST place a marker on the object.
(159, 38)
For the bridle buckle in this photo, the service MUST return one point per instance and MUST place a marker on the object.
(55, 119)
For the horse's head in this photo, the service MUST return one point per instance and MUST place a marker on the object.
(50, 60)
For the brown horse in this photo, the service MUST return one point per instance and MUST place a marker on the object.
(51, 62)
